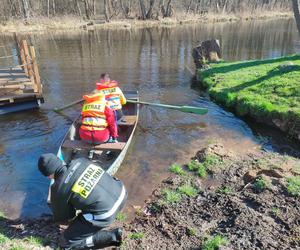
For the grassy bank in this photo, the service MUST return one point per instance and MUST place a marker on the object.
(266, 90)
(75, 22)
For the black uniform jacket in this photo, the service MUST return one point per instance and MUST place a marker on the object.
(86, 187)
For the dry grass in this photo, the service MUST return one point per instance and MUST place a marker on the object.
(41, 24)
(73, 22)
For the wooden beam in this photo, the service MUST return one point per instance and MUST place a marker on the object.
(128, 120)
(36, 70)
(76, 144)
(28, 61)
(23, 58)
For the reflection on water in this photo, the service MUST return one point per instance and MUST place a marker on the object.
(152, 61)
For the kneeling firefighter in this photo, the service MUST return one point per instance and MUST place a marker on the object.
(85, 187)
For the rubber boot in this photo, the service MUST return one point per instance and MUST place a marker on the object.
(104, 238)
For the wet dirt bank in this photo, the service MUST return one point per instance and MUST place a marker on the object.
(248, 201)
(246, 204)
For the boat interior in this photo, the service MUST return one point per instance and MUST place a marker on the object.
(104, 154)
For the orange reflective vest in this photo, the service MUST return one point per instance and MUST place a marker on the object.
(93, 116)
(113, 94)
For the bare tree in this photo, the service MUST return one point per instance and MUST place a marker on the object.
(106, 10)
(143, 10)
(296, 14)
(87, 9)
(25, 8)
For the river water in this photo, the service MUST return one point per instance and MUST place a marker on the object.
(157, 63)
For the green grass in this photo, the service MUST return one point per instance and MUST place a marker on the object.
(176, 169)
(170, 196)
(211, 160)
(194, 165)
(275, 211)
(3, 238)
(202, 171)
(37, 241)
(261, 89)
(2, 216)
(15, 247)
(121, 217)
(260, 184)
(293, 185)
(136, 236)
(214, 243)
(192, 231)
(224, 190)
(188, 190)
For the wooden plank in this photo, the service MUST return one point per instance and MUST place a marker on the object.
(36, 71)
(128, 120)
(23, 58)
(28, 61)
(9, 83)
(25, 95)
(20, 86)
(76, 144)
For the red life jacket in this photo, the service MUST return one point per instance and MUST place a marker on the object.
(104, 85)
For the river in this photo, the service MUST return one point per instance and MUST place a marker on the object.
(157, 63)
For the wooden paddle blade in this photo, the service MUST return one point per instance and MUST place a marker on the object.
(194, 110)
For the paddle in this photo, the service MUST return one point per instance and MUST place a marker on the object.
(185, 109)
(68, 105)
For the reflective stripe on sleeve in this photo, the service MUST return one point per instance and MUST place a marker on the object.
(111, 211)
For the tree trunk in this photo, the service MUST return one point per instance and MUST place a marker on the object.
(94, 7)
(149, 13)
(296, 14)
(48, 8)
(123, 9)
(25, 8)
(224, 7)
(189, 7)
(106, 10)
(53, 7)
(168, 11)
(78, 7)
(87, 9)
(143, 9)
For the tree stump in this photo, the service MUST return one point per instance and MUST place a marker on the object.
(207, 51)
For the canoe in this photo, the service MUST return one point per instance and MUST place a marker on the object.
(72, 147)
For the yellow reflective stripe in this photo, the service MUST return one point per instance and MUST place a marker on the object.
(88, 180)
(94, 121)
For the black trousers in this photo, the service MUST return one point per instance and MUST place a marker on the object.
(75, 236)
(81, 233)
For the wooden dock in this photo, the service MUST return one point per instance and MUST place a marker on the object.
(20, 85)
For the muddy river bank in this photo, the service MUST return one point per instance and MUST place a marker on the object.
(247, 204)
(246, 200)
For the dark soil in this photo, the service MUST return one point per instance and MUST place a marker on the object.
(247, 217)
